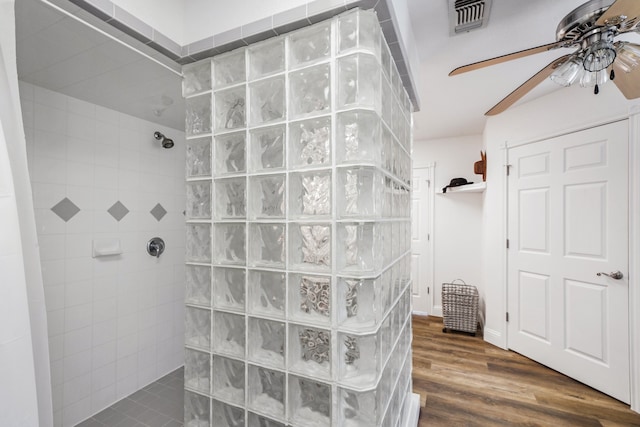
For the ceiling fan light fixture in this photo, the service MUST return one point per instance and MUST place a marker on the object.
(628, 56)
(569, 72)
(600, 55)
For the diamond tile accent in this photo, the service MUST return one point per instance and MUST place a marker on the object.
(118, 210)
(158, 212)
(65, 209)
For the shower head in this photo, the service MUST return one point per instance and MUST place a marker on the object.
(166, 142)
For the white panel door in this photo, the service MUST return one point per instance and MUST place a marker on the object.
(420, 247)
(568, 221)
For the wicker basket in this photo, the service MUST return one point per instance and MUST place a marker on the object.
(460, 307)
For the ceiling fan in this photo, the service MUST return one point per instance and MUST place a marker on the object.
(592, 28)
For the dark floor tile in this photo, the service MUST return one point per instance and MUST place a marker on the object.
(153, 418)
(104, 414)
(127, 422)
(91, 422)
(134, 409)
(173, 423)
(114, 419)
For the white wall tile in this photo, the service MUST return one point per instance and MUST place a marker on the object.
(103, 377)
(53, 272)
(104, 310)
(56, 398)
(105, 332)
(107, 135)
(106, 115)
(76, 388)
(106, 155)
(77, 341)
(105, 267)
(81, 127)
(80, 151)
(77, 293)
(50, 144)
(77, 412)
(78, 316)
(54, 297)
(57, 374)
(47, 222)
(81, 195)
(83, 108)
(55, 322)
(106, 177)
(105, 287)
(126, 386)
(126, 367)
(127, 345)
(101, 399)
(48, 170)
(103, 354)
(45, 194)
(81, 174)
(50, 119)
(79, 245)
(126, 324)
(129, 159)
(78, 269)
(107, 225)
(56, 347)
(77, 365)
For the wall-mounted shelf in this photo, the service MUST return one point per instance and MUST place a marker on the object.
(469, 188)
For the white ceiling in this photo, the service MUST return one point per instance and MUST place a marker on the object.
(62, 54)
(57, 52)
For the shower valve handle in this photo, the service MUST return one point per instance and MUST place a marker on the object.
(155, 247)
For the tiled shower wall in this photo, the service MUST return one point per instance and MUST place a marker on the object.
(116, 322)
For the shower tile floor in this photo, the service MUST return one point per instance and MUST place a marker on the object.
(160, 404)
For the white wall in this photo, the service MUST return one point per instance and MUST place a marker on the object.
(115, 324)
(562, 111)
(457, 234)
(25, 388)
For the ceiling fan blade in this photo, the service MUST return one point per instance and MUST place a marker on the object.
(505, 58)
(628, 83)
(525, 87)
(621, 12)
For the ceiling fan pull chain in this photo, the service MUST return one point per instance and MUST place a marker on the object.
(612, 75)
(596, 90)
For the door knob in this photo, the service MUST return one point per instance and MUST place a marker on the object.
(614, 275)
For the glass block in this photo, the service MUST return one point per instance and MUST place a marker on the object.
(358, 138)
(197, 328)
(224, 415)
(386, 339)
(359, 81)
(310, 194)
(358, 248)
(387, 149)
(359, 190)
(369, 33)
(358, 359)
(358, 409)
(309, 351)
(231, 198)
(230, 244)
(347, 32)
(230, 154)
(198, 285)
(310, 91)
(198, 200)
(228, 379)
(197, 370)
(310, 247)
(198, 243)
(387, 101)
(267, 245)
(266, 342)
(198, 115)
(309, 402)
(198, 157)
(309, 45)
(266, 293)
(196, 78)
(230, 109)
(266, 391)
(229, 69)
(310, 143)
(360, 303)
(310, 298)
(229, 288)
(387, 199)
(267, 100)
(267, 148)
(266, 58)
(267, 196)
(387, 237)
(228, 334)
(196, 410)
(385, 58)
(256, 420)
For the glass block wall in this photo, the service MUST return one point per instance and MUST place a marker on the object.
(298, 242)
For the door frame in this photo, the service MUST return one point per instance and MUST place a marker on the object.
(633, 118)
(430, 167)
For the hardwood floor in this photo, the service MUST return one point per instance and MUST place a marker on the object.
(463, 381)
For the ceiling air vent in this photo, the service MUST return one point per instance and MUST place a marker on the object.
(468, 15)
